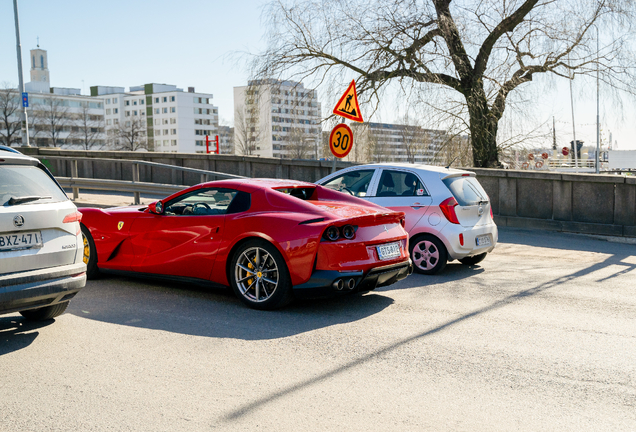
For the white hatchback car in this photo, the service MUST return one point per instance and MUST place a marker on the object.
(41, 245)
(448, 214)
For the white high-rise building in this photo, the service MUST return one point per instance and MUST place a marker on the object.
(278, 119)
(166, 117)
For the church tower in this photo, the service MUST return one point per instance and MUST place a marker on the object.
(40, 81)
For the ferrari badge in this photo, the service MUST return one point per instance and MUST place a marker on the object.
(120, 225)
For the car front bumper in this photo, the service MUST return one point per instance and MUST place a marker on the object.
(39, 288)
(327, 283)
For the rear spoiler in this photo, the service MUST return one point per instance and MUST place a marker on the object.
(459, 174)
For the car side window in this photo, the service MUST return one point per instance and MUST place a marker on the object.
(201, 202)
(353, 182)
(400, 183)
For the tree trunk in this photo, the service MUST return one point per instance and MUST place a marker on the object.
(483, 130)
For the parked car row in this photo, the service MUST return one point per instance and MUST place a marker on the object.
(270, 240)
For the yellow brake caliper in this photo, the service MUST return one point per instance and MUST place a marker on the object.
(87, 251)
(249, 281)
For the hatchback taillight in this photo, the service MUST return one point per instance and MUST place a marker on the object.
(448, 208)
(73, 217)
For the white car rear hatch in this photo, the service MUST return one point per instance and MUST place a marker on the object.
(39, 225)
(473, 204)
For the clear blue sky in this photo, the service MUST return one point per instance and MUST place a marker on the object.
(198, 43)
(125, 43)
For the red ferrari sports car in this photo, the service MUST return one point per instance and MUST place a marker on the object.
(270, 240)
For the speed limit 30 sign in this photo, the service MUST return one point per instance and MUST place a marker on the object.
(341, 140)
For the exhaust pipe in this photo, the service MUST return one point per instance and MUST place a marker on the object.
(351, 284)
(339, 284)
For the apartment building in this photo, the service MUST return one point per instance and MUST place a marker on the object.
(274, 118)
(162, 117)
(387, 142)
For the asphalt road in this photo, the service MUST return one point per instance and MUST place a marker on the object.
(540, 336)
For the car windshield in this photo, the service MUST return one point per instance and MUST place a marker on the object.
(466, 190)
(25, 184)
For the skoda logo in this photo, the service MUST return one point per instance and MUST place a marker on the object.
(18, 221)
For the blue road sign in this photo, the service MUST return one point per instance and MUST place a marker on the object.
(25, 100)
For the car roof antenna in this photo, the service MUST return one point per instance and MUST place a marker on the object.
(448, 166)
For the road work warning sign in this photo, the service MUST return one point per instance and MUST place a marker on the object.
(347, 106)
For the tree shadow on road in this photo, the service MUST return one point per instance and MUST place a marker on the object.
(565, 241)
(521, 295)
(17, 333)
(211, 312)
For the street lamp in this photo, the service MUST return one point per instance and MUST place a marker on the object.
(598, 124)
(25, 121)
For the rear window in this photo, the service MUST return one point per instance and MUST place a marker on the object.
(20, 181)
(466, 190)
(304, 193)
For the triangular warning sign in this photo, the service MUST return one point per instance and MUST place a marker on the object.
(347, 106)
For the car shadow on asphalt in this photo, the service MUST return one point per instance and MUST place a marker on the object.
(453, 272)
(17, 333)
(211, 312)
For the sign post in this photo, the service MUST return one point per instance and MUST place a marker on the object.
(207, 144)
(341, 137)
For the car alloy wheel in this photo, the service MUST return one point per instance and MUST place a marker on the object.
(256, 274)
(260, 277)
(428, 254)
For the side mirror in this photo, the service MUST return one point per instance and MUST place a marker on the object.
(156, 207)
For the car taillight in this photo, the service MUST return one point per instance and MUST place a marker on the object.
(448, 208)
(73, 217)
(403, 222)
(491, 216)
(461, 239)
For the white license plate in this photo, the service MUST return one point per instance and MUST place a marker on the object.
(22, 240)
(483, 240)
(388, 251)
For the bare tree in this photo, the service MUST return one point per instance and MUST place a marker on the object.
(366, 147)
(50, 117)
(246, 133)
(10, 125)
(88, 128)
(301, 139)
(456, 151)
(413, 138)
(131, 134)
(479, 51)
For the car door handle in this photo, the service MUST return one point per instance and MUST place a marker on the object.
(417, 205)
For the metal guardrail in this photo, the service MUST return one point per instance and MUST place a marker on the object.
(135, 186)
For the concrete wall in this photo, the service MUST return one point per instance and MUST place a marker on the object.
(582, 203)
(249, 166)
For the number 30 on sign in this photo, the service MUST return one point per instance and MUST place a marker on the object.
(341, 140)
